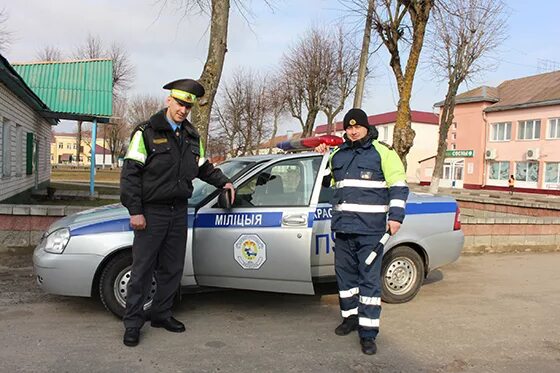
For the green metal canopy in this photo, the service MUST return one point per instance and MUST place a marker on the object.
(75, 90)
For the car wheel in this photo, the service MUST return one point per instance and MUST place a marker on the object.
(113, 284)
(402, 274)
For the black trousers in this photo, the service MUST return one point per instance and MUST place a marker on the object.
(157, 250)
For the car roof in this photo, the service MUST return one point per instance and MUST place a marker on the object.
(268, 157)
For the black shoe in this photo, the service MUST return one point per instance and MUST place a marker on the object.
(348, 324)
(171, 324)
(368, 346)
(131, 336)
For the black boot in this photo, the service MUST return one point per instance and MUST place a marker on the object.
(131, 336)
(368, 346)
(348, 325)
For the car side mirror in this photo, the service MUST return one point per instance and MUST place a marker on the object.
(224, 199)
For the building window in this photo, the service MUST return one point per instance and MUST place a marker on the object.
(74, 146)
(68, 146)
(454, 125)
(552, 173)
(499, 171)
(60, 145)
(19, 149)
(500, 131)
(527, 171)
(529, 130)
(383, 133)
(453, 147)
(553, 128)
(6, 149)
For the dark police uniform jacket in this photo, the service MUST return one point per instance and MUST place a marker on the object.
(369, 181)
(159, 166)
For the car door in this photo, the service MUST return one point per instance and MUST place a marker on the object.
(264, 241)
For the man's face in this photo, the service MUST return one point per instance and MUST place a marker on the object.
(177, 111)
(356, 132)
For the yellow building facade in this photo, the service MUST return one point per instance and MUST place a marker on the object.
(63, 149)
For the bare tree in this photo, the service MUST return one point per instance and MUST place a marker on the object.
(344, 61)
(92, 48)
(464, 33)
(389, 17)
(219, 19)
(49, 53)
(306, 70)
(241, 116)
(5, 33)
(276, 103)
(116, 133)
(123, 70)
(140, 108)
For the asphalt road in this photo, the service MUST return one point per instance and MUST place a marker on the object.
(491, 313)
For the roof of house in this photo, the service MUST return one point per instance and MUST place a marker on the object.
(79, 90)
(530, 91)
(15, 83)
(390, 117)
(101, 150)
(480, 94)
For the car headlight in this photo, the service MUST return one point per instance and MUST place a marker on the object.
(56, 242)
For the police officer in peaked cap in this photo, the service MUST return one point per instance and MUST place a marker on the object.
(369, 197)
(165, 154)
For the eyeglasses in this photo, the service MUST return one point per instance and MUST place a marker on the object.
(183, 103)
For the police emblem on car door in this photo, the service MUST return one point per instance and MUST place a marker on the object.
(263, 242)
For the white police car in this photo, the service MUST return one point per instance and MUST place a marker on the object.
(275, 238)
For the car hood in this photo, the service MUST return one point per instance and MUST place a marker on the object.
(107, 215)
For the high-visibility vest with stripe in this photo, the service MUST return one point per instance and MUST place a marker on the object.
(369, 183)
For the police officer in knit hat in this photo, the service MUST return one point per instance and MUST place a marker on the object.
(369, 199)
(165, 154)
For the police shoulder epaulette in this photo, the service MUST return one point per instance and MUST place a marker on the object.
(142, 126)
(387, 145)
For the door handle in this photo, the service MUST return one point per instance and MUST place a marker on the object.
(298, 219)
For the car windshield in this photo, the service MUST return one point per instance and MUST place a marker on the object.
(201, 189)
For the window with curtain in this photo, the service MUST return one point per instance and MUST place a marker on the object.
(529, 130)
(498, 171)
(500, 131)
(527, 171)
(553, 128)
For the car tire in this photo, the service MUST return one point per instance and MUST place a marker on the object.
(402, 275)
(113, 284)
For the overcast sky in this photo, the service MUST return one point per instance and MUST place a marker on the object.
(165, 45)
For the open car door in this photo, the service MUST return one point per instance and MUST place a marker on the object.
(264, 241)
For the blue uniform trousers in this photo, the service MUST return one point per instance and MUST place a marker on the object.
(359, 284)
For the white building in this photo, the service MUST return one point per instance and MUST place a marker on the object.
(25, 136)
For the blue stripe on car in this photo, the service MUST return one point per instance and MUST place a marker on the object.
(119, 225)
(254, 220)
(430, 208)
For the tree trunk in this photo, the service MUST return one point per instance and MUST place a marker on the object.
(364, 56)
(444, 123)
(330, 119)
(274, 130)
(309, 123)
(213, 67)
(403, 136)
